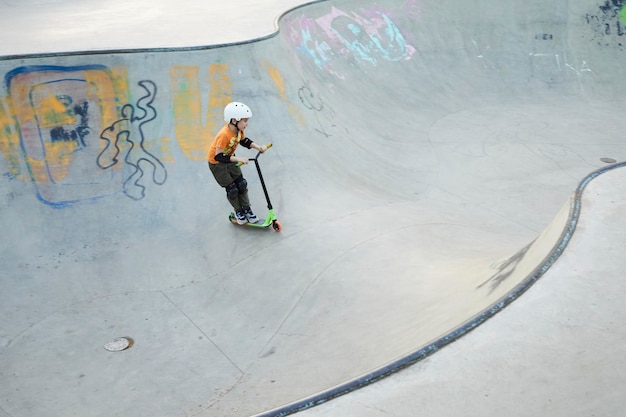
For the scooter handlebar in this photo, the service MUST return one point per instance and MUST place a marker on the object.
(269, 145)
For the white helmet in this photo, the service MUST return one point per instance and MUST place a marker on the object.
(236, 111)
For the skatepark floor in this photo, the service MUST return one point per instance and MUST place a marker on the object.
(448, 175)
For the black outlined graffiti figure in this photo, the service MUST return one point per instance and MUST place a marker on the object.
(314, 102)
(127, 135)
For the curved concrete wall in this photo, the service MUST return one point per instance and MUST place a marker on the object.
(417, 145)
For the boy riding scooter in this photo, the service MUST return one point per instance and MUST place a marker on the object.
(225, 165)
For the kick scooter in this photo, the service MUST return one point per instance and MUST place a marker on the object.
(270, 219)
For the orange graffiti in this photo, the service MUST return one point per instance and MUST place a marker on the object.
(49, 99)
(279, 82)
(9, 138)
(194, 134)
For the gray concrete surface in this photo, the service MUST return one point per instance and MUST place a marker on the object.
(555, 352)
(424, 162)
(50, 26)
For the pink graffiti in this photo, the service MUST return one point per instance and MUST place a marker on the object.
(368, 36)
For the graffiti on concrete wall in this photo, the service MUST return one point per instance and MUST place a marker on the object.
(554, 68)
(66, 130)
(548, 62)
(608, 23)
(81, 133)
(192, 128)
(323, 114)
(77, 134)
(58, 113)
(364, 37)
(126, 137)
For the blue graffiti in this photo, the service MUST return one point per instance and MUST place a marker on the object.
(340, 38)
(368, 47)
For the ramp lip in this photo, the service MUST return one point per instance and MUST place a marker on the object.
(461, 330)
(113, 51)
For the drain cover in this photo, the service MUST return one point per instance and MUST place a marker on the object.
(119, 344)
(608, 160)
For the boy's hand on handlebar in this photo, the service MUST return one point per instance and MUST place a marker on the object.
(240, 160)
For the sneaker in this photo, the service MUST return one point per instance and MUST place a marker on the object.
(240, 215)
(252, 218)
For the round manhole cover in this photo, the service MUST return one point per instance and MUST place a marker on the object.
(608, 160)
(119, 344)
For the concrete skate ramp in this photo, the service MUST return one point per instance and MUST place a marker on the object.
(425, 154)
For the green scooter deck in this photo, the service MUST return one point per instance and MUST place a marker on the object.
(270, 220)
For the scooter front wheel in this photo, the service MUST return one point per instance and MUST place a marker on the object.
(277, 226)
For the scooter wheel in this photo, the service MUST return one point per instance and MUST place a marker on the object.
(277, 226)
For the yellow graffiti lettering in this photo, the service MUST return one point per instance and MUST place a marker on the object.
(9, 138)
(279, 82)
(104, 88)
(52, 111)
(193, 134)
(59, 157)
(219, 92)
(109, 90)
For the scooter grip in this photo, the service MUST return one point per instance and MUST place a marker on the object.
(269, 145)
